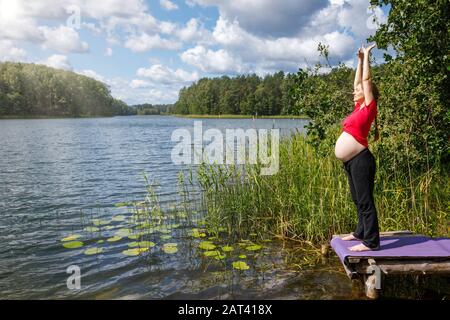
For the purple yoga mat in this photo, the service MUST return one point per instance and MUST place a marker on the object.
(397, 247)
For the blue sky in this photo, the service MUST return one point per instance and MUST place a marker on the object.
(147, 50)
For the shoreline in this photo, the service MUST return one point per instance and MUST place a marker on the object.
(238, 116)
(192, 116)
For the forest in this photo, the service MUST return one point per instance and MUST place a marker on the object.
(31, 90)
(148, 109)
(243, 94)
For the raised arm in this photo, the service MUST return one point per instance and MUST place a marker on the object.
(366, 80)
(358, 75)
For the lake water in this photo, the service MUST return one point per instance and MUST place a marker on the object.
(70, 178)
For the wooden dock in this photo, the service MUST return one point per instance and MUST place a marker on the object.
(401, 252)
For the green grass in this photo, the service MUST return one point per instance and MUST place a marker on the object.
(238, 116)
(309, 199)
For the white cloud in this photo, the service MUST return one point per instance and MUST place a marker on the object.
(168, 5)
(138, 83)
(145, 42)
(136, 92)
(194, 32)
(262, 36)
(167, 27)
(108, 52)
(190, 3)
(268, 17)
(9, 52)
(211, 61)
(164, 75)
(355, 15)
(27, 21)
(242, 51)
(57, 61)
(63, 39)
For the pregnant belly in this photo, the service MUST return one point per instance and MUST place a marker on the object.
(347, 147)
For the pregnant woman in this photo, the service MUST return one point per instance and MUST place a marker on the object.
(358, 162)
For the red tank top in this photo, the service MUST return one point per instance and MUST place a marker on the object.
(359, 121)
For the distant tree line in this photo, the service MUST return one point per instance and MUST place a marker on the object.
(30, 90)
(243, 94)
(152, 109)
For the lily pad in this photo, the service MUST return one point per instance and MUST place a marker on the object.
(254, 247)
(99, 222)
(214, 254)
(242, 256)
(118, 218)
(91, 229)
(196, 233)
(227, 248)
(240, 265)
(211, 253)
(94, 250)
(134, 236)
(72, 244)
(123, 232)
(133, 244)
(170, 248)
(71, 237)
(134, 251)
(114, 239)
(100, 241)
(146, 244)
(207, 245)
(166, 237)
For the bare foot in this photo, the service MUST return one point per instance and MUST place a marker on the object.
(360, 247)
(349, 237)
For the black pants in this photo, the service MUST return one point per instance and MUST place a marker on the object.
(361, 176)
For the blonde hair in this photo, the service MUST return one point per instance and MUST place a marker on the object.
(376, 95)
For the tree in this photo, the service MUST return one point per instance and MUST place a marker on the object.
(415, 89)
(36, 90)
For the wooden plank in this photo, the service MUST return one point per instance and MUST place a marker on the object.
(407, 267)
(353, 260)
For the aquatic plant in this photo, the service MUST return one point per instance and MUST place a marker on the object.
(72, 244)
(240, 265)
(207, 245)
(134, 251)
(170, 248)
(92, 251)
(71, 237)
